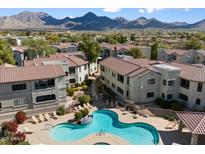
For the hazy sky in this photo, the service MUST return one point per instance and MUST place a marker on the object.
(167, 15)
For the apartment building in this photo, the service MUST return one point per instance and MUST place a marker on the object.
(182, 56)
(143, 81)
(120, 50)
(31, 88)
(76, 68)
(66, 47)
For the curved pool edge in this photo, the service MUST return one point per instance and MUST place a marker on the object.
(148, 127)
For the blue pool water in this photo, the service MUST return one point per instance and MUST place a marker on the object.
(107, 121)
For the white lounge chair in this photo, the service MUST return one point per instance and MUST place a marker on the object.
(85, 106)
(79, 107)
(26, 130)
(55, 116)
(34, 120)
(90, 106)
(47, 117)
(41, 118)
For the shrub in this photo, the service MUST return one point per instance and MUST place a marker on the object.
(77, 84)
(84, 87)
(18, 137)
(75, 97)
(170, 117)
(88, 82)
(24, 143)
(70, 91)
(20, 117)
(176, 106)
(83, 83)
(76, 89)
(11, 126)
(84, 112)
(78, 116)
(84, 99)
(159, 101)
(60, 110)
(163, 104)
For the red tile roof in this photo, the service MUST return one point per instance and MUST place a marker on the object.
(15, 74)
(194, 121)
(191, 72)
(117, 47)
(72, 60)
(130, 67)
(179, 52)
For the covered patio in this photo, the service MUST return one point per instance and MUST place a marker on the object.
(194, 122)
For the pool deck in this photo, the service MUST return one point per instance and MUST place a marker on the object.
(41, 136)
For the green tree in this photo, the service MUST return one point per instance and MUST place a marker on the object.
(136, 52)
(154, 50)
(132, 37)
(53, 38)
(6, 53)
(38, 47)
(84, 99)
(90, 48)
(193, 43)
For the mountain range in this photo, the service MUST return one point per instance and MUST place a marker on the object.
(90, 21)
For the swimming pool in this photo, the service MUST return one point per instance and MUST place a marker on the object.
(107, 121)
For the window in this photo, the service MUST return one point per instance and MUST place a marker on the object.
(66, 73)
(79, 69)
(169, 96)
(127, 93)
(198, 101)
(107, 81)
(80, 79)
(128, 80)
(171, 83)
(163, 95)
(43, 84)
(120, 78)
(102, 77)
(113, 86)
(85, 67)
(120, 90)
(113, 74)
(72, 80)
(151, 81)
(45, 98)
(72, 70)
(150, 94)
(183, 97)
(0, 105)
(164, 82)
(102, 68)
(18, 87)
(198, 58)
(199, 87)
(184, 83)
(20, 102)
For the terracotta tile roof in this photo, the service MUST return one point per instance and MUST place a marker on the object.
(191, 72)
(179, 52)
(73, 60)
(117, 47)
(19, 48)
(194, 121)
(130, 67)
(65, 45)
(15, 74)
